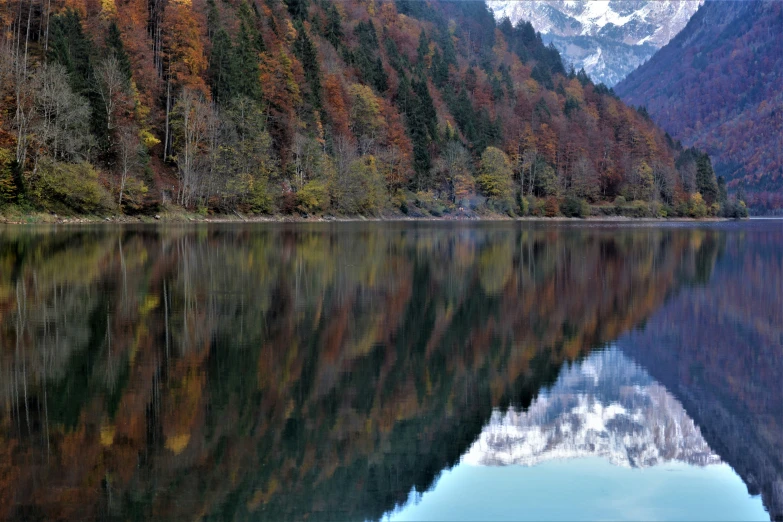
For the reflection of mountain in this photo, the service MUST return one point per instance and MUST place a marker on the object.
(293, 372)
(604, 406)
(719, 350)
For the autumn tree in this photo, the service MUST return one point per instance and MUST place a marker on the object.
(60, 128)
(183, 49)
(190, 124)
(247, 156)
(584, 180)
(365, 117)
(112, 88)
(360, 189)
(495, 175)
(129, 153)
(452, 173)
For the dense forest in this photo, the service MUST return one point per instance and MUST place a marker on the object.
(718, 86)
(293, 372)
(316, 107)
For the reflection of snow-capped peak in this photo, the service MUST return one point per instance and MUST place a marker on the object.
(605, 406)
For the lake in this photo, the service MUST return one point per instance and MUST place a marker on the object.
(394, 371)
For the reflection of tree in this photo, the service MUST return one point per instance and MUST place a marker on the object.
(718, 350)
(292, 371)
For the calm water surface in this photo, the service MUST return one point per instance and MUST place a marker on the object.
(392, 371)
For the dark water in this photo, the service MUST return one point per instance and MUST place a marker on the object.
(367, 371)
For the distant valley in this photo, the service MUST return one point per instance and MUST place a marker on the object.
(718, 86)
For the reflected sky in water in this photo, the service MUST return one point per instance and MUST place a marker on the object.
(587, 488)
(332, 371)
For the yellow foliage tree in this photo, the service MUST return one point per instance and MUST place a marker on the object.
(494, 178)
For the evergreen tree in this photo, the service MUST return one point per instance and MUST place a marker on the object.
(505, 74)
(426, 109)
(298, 8)
(114, 43)
(497, 89)
(583, 78)
(404, 98)
(213, 18)
(440, 70)
(72, 48)
(422, 50)
(333, 30)
(723, 193)
(307, 54)
(244, 58)
(706, 183)
(367, 59)
(221, 63)
(380, 80)
(542, 75)
(396, 60)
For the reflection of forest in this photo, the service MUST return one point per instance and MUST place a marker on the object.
(719, 349)
(292, 371)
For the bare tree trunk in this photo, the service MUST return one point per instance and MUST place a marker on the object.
(168, 113)
(46, 33)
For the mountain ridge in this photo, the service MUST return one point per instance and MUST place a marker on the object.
(608, 39)
(718, 86)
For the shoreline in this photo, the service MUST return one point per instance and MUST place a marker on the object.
(188, 218)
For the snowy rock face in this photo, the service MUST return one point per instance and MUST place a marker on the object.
(608, 38)
(605, 406)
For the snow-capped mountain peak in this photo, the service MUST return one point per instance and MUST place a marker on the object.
(628, 32)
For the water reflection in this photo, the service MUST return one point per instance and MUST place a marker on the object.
(605, 442)
(605, 406)
(719, 349)
(284, 372)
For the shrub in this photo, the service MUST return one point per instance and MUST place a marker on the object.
(734, 209)
(551, 207)
(575, 207)
(133, 199)
(7, 183)
(538, 208)
(523, 205)
(360, 189)
(288, 202)
(313, 196)
(259, 198)
(69, 186)
(697, 208)
(638, 209)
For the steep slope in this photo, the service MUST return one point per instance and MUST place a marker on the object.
(314, 106)
(608, 39)
(718, 85)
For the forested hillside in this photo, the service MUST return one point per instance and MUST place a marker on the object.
(718, 86)
(312, 107)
